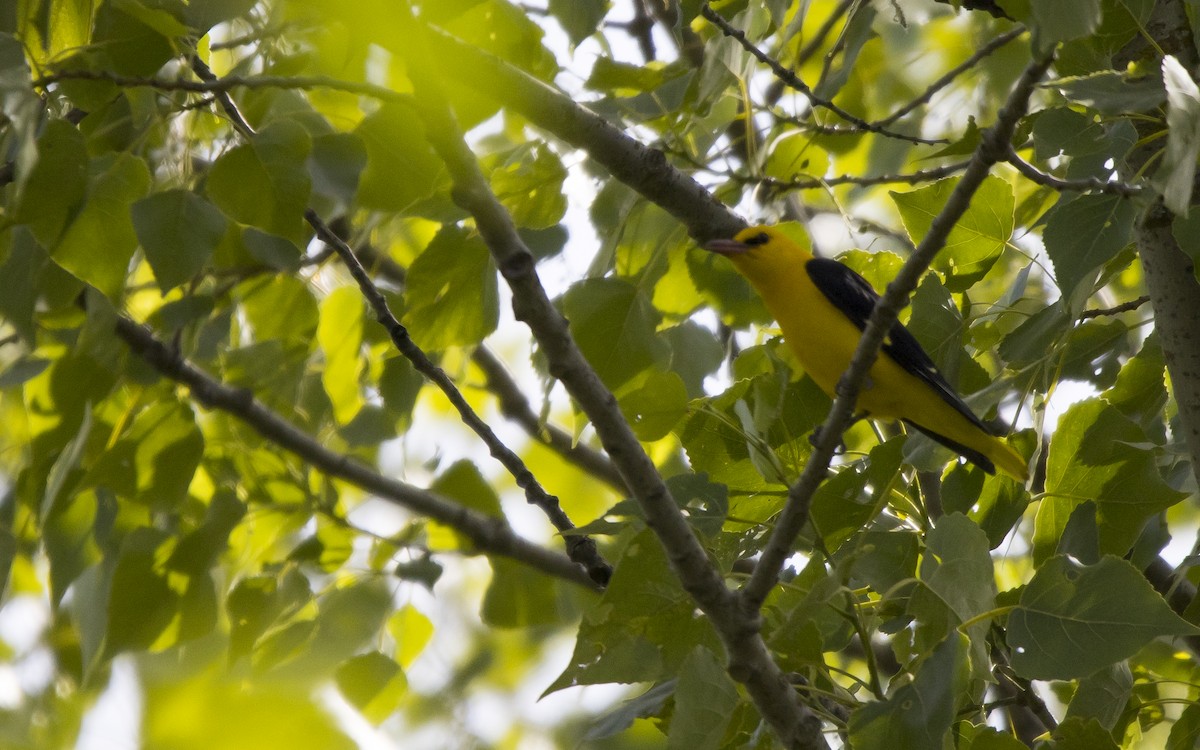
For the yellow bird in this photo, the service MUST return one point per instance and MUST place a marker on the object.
(822, 307)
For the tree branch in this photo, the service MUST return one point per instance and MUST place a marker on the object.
(991, 149)
(790, 78)
(581, 548)
(644, 169)
(951, 74)
(913, 178)
(490, 534)
(1033, 174)
(749, 660)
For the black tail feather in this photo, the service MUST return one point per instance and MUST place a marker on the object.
(970, 454)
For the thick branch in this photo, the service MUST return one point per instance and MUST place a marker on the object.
(749, 660)
(491, 535)
(992, 148)
(644, 169)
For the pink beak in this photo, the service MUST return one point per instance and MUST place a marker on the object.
(726, 247)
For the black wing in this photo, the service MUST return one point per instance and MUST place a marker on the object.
(854, 296)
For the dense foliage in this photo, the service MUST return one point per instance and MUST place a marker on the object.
(307, 308)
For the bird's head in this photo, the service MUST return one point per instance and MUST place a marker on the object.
(761, 251)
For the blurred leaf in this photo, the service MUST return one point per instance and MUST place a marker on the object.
(1076, 733)
(401, 168)
(49, 195)
(178, 231)
(1110, 92)
(98, 244)
(655, 407)
(336, 164)
(340, 333)
(281, 307)
(704, 700)
(579, 18)
(1178, 167)
(142, 602)
(272, 250)
(1185, 732)
(976, 241)
(372, 683)
(1075, 619)
(529, 182)
(412, 632)
(453, 297)
(519, 597)
(615, 327)
(1070, 19)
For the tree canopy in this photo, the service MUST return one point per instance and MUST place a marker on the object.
(363, 380)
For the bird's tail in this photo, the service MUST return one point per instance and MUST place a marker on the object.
(1008, 460)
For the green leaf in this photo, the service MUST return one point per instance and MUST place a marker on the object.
(957, 569)
(1076, 733)
(280, 307)
(642, 628)
(1110, 92)
(1103, 696)
(1178, 167)
(401, 167)
(579, 18)
(1065, 20)
(1185, 732)
(412, 632)
(704, 700)
(508, 32)
(339, 335)
(1075, 619)
(167, 446)
(178, 231)
(918, 715)
(519, 597)
(20, 274)
(529, 181)
(614, 325)
(372, 683)
(695, 354)
(1100, 455)
(453, 296)
(706, 503)
(141, 602)
(976, 241)
(265, 183)
(654, 408)
(1082, 234)
(98, 244)
(272, 250)
(336, 164)
(49, 195)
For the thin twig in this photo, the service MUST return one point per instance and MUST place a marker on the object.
(1129, 306)
(912, 178)
(1034, 174)
(228, 83)
(581, 548)
(490, 534)
(790, 78)
(953, 73)
(991, 149)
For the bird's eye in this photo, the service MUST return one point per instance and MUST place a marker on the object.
(758, 239)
